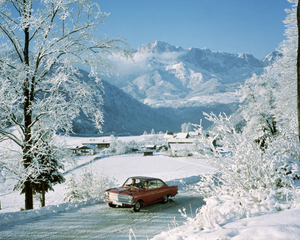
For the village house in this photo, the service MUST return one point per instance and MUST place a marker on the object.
(97, 144)
(180, 138)
(180, 144)
(84, 150)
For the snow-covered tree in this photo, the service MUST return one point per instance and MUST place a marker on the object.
(71, 189)
(270, 100)
(120, 147)
(258, 107)
(41, 41)
(257, 178)
(92, 183)
(248, 180)
(44, 180)
(186, 127)
(285, 69)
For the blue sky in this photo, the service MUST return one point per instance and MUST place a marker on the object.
(234, 26)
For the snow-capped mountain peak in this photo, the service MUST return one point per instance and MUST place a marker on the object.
(158, 47)
(170, 74)
(271, 57)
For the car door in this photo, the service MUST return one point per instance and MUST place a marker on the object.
(153, 190)
(162, 190)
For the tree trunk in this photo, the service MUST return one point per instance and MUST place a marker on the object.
(43, 194)
(298, 70)
(27, 123)
(28, 196)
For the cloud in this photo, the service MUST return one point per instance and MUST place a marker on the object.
(143, 62)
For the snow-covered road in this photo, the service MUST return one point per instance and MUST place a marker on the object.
(101, 222)
(96, 220)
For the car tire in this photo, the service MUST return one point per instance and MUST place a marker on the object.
(112, 205)
(166, 199)
(137, 206)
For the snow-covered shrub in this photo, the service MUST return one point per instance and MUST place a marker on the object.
(71, 188)
(92, 183)
(120, 147)
(250, 180)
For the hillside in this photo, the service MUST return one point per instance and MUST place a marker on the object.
(125, 115)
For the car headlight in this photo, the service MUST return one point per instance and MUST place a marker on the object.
(130, 198)
(106, 194)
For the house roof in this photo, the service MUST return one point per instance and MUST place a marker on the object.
(182, 135)
(168, 135)
(83, 147)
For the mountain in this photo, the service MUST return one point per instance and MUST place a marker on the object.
(170, 76)
(158, 47)
(124, 115)
(167, 86)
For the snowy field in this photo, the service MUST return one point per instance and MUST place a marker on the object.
(82, 220)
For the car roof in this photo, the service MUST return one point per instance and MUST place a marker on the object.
(146, 178)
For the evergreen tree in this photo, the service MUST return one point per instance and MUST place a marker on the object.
(72, 192)
(47, 170)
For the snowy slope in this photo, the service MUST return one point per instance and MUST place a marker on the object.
(125, 115)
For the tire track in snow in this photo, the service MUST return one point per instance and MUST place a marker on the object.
(101, 222)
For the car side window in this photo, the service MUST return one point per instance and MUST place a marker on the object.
(160, 184)
(152, 184)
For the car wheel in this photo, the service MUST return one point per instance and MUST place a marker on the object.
(111, 205)
(166, 198)
(137, 206)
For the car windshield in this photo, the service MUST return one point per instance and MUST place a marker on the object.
(134, 182)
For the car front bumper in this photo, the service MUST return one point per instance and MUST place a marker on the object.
(119, 203)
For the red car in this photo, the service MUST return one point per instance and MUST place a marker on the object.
(139, 191)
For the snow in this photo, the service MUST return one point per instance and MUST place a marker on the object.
(280, 225)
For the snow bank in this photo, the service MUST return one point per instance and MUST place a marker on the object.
(281, 225)
(8, 217)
